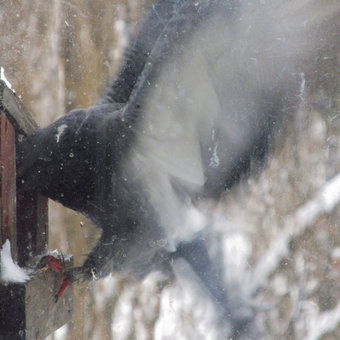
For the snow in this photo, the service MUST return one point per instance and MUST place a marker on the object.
(105, 291)
(59, 334)
(186, 311)
(3, 77)
(323, 323)
(57, 254)
(10, 271)
(324, 201)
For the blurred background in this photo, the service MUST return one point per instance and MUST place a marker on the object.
(279, 237)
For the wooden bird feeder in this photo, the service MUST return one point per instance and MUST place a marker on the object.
(27, 310)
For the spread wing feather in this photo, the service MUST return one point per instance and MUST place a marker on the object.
(205, 109)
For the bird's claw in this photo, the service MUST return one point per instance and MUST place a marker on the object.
(57, 265)
(82, 274)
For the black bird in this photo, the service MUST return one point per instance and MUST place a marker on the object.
(204, 88)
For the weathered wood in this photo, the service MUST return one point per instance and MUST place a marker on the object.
(8, 184)
(18, 115)
(31, 233)
(31, 311)
(32, 222)
(27, 310)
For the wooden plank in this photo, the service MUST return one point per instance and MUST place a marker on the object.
(31, 235)
(8, 184)
(19, 116)
(27, 311)
(32, 312)
(32, 222)
(41, 234)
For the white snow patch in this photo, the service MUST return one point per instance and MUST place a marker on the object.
(122, 32)
(280, 285)
(105, 290)
(3, 78)
(10, 271)
(57, 254)
(61, 333)
(324, 201)
(185, 310)
(237, 250)
(123, 315)
(336, 253)
(323, 323)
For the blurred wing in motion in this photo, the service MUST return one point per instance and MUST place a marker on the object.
(217, 84)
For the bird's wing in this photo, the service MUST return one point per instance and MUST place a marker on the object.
(217, 82)
(139, 50)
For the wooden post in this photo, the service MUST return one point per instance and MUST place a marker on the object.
(27, 310)
(8, 184)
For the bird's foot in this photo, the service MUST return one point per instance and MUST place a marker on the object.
(57, 265)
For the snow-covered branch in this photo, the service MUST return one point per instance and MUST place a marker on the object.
(325, 200)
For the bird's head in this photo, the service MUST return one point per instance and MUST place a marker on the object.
(71, 160)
